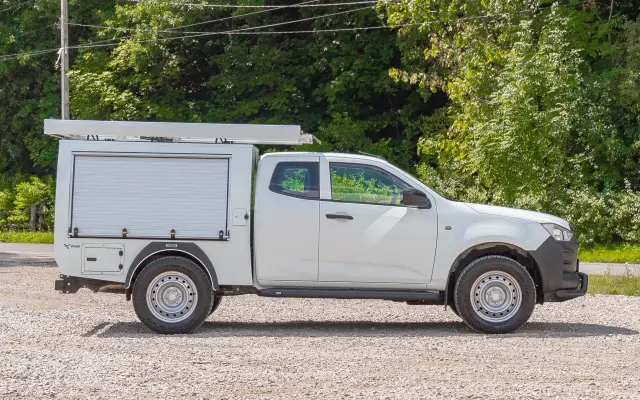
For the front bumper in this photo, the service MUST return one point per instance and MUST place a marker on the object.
(568, 294)
(559, 270)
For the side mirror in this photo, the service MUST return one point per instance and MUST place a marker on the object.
(412, 197)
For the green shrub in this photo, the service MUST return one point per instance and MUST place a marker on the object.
(29, 192)
(626, 216)
(610, 217)
(6, 200)
(6, 204)
(26, 237)
(589, 213)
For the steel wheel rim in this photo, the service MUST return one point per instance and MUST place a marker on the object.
(172, 297)
(496, 296)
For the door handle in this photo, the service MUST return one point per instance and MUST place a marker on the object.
(339, 216)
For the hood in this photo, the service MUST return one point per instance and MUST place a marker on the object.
(517, 213)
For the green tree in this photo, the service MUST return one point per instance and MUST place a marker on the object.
(30, 192)
(30, 84)
(335, 85)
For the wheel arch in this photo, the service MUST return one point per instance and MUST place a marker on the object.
(494, 248)
(156, 250)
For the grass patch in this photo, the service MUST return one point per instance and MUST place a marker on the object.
(623, 253)
(628, 285)
(26, 237)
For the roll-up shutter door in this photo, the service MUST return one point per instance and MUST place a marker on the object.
(150, 196)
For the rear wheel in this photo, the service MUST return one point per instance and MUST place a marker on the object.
(172, 295)
(495, 294)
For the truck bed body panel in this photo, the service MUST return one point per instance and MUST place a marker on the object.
(230, 256)
(108, 197)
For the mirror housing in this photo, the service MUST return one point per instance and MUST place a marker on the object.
(412, 197)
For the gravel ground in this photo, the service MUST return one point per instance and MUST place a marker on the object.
(91, 345)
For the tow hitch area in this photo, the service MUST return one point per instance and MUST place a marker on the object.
(71, 284)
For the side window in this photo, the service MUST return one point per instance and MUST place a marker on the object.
(359, 183)
(296, 179)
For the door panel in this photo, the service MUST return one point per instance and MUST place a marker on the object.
(286, 221)
(373, 243)
(108, 197)
(102, 258)
(380, 244)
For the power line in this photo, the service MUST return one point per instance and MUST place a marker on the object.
(256, 5)
(33, 31)
(267, 32)
(196, 34)
(39, 52)
(264, 10)
(238, 32)
(200, 34)
(138, 30)
(245, 31)
(207, 22)
(240, 16)
(30, 53)
(170, 30)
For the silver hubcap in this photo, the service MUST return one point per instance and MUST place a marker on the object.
(172, 297)
(496, 296)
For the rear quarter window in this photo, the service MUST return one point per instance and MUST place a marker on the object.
(296, 179)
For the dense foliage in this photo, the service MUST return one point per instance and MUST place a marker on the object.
(542, 110)
(524, 103)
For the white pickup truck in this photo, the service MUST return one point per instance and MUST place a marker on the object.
(175, 216)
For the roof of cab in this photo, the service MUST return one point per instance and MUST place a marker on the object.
(320, 154)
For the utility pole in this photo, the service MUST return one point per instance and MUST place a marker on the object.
(64, 58)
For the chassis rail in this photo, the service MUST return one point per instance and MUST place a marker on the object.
(71, 284)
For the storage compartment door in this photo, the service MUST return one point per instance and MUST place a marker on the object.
(149, 196)
(102, 258)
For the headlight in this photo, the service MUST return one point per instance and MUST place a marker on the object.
(558, 232)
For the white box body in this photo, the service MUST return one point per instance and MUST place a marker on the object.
(202, 192)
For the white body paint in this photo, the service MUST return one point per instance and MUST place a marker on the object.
(295, 245)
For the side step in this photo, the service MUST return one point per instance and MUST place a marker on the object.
(395, 295)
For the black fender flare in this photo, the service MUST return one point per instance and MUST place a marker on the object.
(188, 249)
(480, 247)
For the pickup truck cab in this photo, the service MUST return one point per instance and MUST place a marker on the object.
(169, 224)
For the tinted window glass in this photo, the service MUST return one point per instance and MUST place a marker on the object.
(359, 183)
(297, 179)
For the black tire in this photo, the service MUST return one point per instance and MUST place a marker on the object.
(202, 289)
(216, 303)
(508, 276)
(453, 308)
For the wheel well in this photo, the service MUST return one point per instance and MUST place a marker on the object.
(153, 257)
(494, 249)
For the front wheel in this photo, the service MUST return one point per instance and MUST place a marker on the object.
(172, 295)
(495, 294)
(454, 309)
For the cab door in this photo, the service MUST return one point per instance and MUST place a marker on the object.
(286, 222)
(367, 235)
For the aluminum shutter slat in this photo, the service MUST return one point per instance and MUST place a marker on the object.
(149, 196)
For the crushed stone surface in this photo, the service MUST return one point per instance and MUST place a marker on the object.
(90, 345)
